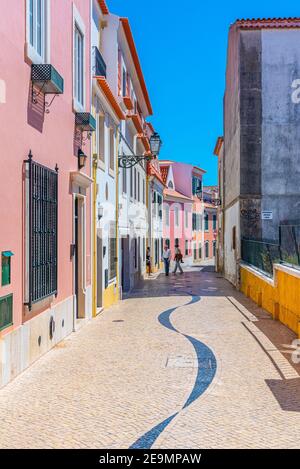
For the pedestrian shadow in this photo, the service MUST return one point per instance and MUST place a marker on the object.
(286, 393)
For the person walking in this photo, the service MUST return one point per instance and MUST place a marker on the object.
(178, 260)
(148, 261)
(167, 259)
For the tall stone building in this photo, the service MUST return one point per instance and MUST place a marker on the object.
(261, 133)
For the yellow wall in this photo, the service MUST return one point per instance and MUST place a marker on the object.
(156, 268)
(110, 296)
(280, 297)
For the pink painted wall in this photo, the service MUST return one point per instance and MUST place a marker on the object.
(183, 174)
(49, 136)
(183, 178)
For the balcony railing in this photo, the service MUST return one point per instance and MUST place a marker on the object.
(99, 65)
(289, 239)
(261, 254)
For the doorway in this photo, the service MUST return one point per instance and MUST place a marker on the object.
(125, 264)
(79, 256)
(76, 257)
(99, 285)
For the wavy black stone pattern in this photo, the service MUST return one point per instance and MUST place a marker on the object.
(207, 366)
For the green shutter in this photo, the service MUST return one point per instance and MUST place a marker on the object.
(6, 311)
(5, 262)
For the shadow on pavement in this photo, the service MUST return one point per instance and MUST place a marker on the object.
(286, 392)
(205, 282)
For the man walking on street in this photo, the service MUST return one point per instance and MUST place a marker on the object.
(167, 259)
(178, 260)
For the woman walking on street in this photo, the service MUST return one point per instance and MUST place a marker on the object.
(167, 259)
(178, 260)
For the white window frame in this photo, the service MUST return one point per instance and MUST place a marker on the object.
(112, 151)
(176, 216)
(31, 49)
(100, 137)
(167, 215)
(79, 25)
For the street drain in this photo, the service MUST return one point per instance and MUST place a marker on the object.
(118, 320)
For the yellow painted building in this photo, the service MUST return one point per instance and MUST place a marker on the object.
(280, 295)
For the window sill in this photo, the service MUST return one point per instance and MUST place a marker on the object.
(32, 56)
(77, 107)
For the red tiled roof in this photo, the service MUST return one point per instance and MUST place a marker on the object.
(164, 173)
(110, 97)
(136, 60)
(103, 6)
(137, 121)
(262, 23)
(145, 141)
(175, 194)
(219, 143)
(154, 170)
(128, 103)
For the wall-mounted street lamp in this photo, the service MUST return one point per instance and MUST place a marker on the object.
(155, 144)
(128, 161)
(81, 159)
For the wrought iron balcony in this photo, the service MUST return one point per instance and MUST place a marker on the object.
(85, 122)
(99, 65)
(47, 79)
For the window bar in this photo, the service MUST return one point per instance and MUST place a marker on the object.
(43, 223)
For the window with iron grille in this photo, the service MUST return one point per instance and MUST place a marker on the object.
(42, 231)
(112, 259)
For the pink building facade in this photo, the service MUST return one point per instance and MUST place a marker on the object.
(45, 205)
(182, 206)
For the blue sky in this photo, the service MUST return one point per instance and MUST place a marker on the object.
(182, 47)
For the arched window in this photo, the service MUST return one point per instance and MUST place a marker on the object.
(171, 185)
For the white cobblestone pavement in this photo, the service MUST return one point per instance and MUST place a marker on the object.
(126, 372)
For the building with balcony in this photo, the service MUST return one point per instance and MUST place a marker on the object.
(45, 178)
(155, 239)
(120, 106)
(183, 208)
(134, 140)
(210, 201)
(108, 114)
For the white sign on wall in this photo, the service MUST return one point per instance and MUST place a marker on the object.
(267, 215)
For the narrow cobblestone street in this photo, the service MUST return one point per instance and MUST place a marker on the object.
(185, 362)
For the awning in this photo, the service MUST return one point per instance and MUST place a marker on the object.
(7, 254)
